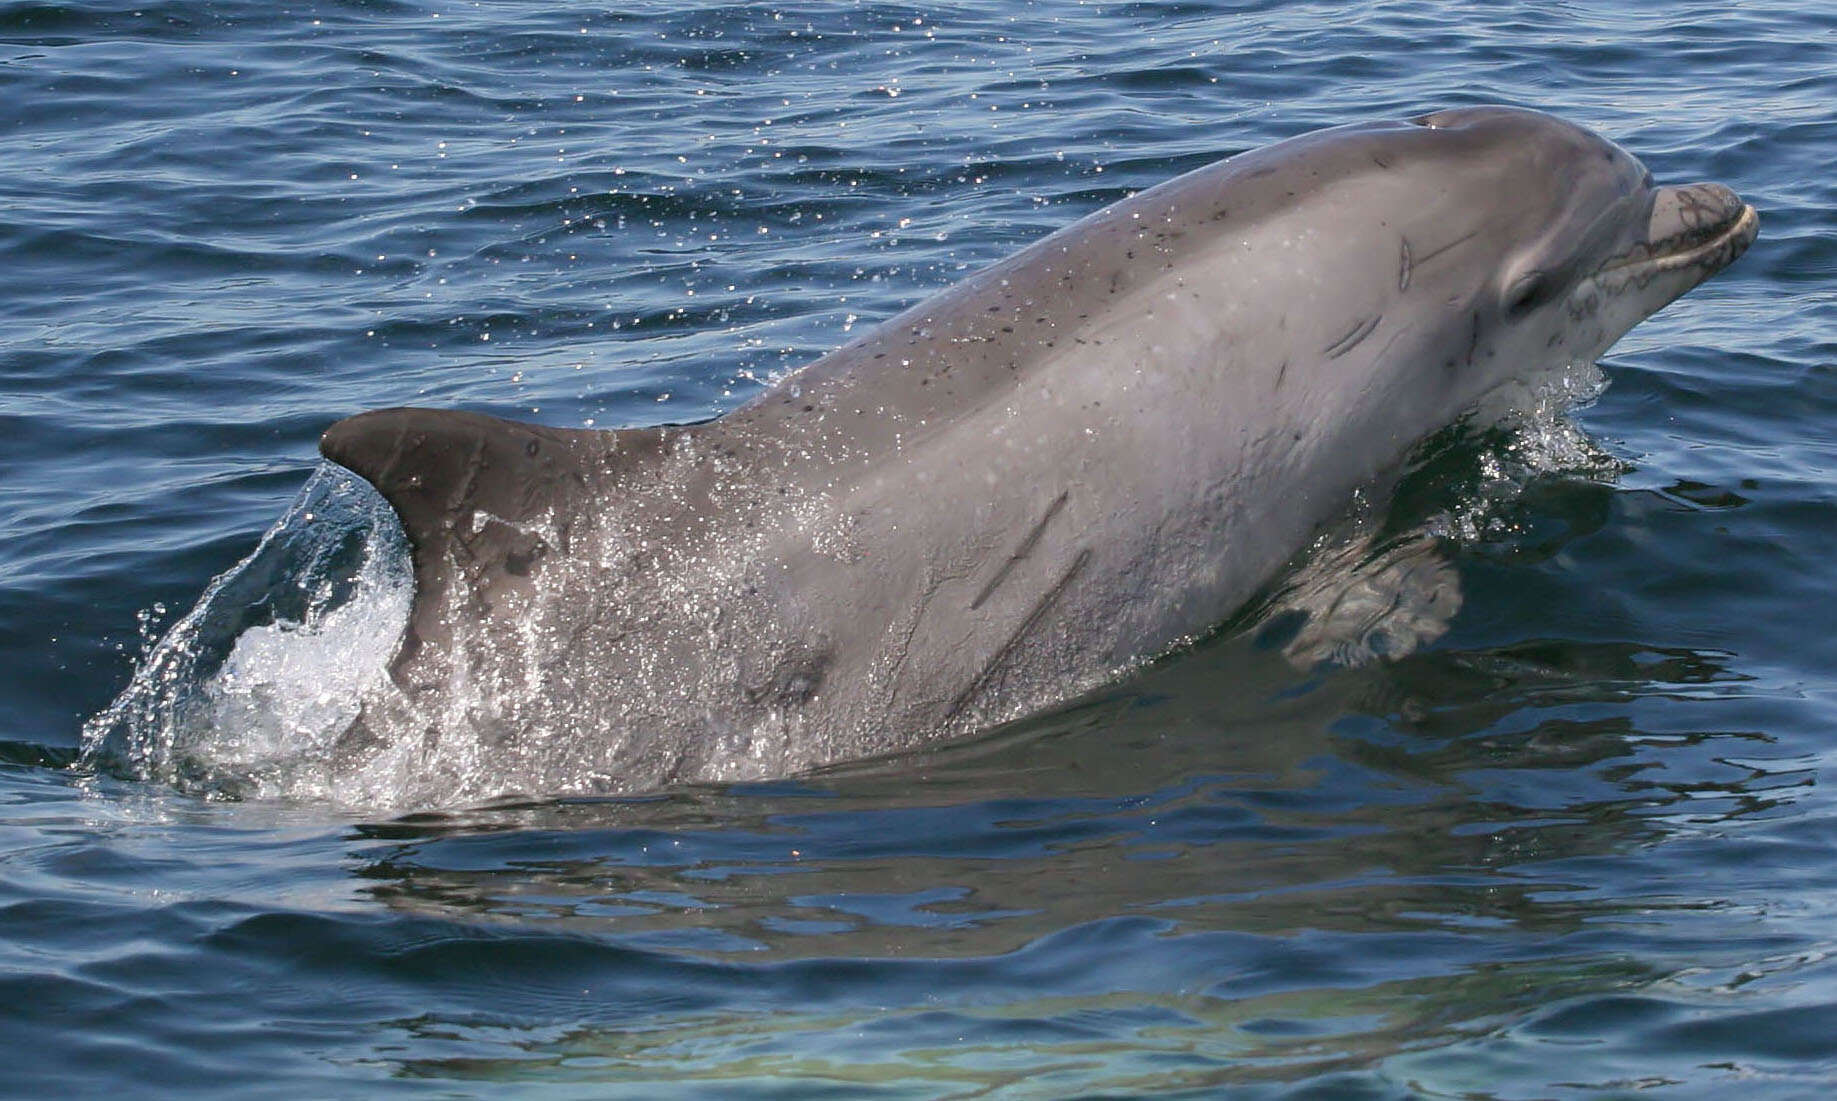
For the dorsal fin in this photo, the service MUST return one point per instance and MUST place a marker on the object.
(482, 500)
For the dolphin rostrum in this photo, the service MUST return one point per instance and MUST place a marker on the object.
(1064, 465)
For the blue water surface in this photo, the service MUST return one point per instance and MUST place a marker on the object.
(1579, 846)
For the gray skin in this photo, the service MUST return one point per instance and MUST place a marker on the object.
(1049, 473)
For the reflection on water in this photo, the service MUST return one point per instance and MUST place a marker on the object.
(1223, 872)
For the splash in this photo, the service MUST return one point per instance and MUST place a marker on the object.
(248, 694)
(1379, 583)
(1534, 436)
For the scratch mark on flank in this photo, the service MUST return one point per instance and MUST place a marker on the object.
(1461, 240)
(1406, 268)
(1351, 340)
(1045, 605)
(1022, 551)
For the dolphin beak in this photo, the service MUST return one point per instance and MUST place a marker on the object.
(1704, 226)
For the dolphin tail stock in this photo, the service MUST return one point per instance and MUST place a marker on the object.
(481, 500)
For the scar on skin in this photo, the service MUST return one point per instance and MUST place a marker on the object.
(1352, 337)
(1020, 552)
(1040, 609)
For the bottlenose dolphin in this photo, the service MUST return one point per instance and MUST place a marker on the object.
(1062, 466)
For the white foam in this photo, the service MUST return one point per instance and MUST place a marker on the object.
(250, 690)
(289, 689)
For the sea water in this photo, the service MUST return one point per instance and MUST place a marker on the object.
(1576, 844)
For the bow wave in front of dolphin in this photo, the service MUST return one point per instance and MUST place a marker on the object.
(1064, 466)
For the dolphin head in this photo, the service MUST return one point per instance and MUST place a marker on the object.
(1595, 238)
(1544, 241)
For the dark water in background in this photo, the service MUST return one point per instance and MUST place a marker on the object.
(1583, 844)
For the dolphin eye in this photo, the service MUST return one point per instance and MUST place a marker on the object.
(1525, 294)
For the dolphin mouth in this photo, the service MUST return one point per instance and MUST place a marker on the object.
(1702, 226)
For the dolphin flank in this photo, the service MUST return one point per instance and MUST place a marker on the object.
(1054, 470)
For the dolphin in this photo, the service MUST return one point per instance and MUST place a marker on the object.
(1063, 466)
